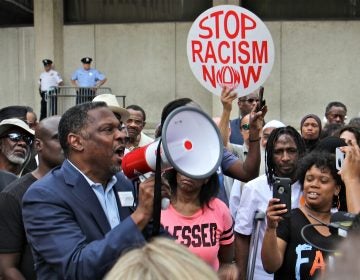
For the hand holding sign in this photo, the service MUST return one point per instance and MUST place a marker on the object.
(230, 46)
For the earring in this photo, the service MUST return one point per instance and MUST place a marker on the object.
(338, 202)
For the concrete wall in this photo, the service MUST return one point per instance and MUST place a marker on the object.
(16, 66)
(316, 62)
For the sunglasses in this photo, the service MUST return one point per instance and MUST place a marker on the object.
(245, 126)
(17, 137)
(250, 100)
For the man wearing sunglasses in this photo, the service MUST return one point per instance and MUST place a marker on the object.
(16, 139)
(16, 261)
(245, 104)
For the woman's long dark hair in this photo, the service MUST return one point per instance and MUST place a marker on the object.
(171, 106)
(208, 191)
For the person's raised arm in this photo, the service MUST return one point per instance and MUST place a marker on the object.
(273, 248)
(227, 97)
(350, 174)
(249, 169)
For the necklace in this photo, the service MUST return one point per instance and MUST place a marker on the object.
(319, 211)
(307, 207)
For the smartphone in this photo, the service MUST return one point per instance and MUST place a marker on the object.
(262, 101)
(340, 156)
(282, 190)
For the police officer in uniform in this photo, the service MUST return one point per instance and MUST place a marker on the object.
(48, 79)
(88, 79)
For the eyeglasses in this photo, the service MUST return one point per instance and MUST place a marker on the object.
(245, 126)
(17, 137)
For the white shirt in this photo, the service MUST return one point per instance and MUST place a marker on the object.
(255, 196)
(236, 186)
(144, 140)
(241, 152)
(235, 196)
(49, 79)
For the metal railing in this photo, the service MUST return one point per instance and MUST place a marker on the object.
(59, 99)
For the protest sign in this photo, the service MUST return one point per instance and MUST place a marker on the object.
(230, 46)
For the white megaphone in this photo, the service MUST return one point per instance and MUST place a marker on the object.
(191, 144)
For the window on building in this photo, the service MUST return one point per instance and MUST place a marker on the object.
(119, 11)
(16, 13)
(304, 9)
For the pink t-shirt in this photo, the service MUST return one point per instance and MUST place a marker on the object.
(202, 232)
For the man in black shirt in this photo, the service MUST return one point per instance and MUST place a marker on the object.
(15, 255)
(6, 178)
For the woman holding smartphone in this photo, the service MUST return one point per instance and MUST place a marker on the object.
(284, 251)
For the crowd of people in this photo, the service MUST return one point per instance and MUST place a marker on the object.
(67, 211)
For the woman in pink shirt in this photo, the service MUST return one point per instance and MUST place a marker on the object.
(200, 221)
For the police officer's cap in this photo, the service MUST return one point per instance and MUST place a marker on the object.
(86, 60)
(47, 62)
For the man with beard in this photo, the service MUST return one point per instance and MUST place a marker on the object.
(89, 205)
(15, 256)
(16, 139)
(284, 148)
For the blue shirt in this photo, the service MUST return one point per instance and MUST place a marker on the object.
(235, 135)
(222, 194)
(106, 198)
(87, 78)
(228, 159)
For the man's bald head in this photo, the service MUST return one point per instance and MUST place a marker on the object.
(47, 126)
(47, 142)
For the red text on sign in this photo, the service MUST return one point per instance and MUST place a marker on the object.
(226, 76)
(218, 21)
(241, 52)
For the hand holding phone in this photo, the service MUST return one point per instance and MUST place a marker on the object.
(340, 156)
(282, 191)
(262, 101)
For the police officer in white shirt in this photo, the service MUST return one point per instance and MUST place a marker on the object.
(48, 79)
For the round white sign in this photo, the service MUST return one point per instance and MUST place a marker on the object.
(230, 46)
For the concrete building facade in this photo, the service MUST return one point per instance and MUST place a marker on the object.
(315, 62)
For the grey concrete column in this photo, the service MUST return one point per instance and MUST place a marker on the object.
(48, 27)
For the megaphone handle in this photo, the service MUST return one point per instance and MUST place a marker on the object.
(165, 202)
(157, 193)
